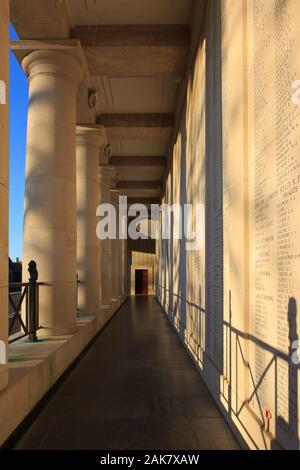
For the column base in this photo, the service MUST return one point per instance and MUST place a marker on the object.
(45, 332)
(84, 313)
(115, 303)
(105, 311)
(104, 307)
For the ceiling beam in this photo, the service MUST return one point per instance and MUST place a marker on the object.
(135, 50)
(136, 189)
(121, 161)
(146, 201)
(137, 185)
(132, 35)
(136, 120)
(136, 126)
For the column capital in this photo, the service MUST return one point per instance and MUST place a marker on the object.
(115, 194)
(62, 64)
(90, 136)
(107, 172)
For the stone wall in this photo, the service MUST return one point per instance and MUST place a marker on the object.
(234, 301)
(141, 255)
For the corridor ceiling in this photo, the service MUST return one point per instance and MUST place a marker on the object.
(136, 54)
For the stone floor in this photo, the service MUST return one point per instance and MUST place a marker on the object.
(136, 388)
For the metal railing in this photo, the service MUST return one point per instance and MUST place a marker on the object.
(29, 300)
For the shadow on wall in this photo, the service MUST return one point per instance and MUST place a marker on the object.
(285, 395)
(214, 302)
(289, 429)
(220, 351)
(182, 272)
(172, 288)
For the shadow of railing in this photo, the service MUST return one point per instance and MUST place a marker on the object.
(239, 346)
(242, 388)
(196, 340)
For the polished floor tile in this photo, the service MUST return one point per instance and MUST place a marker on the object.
(135, 388)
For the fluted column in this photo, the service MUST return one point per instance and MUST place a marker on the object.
(115, 255)
(88, 142)
(4, 138)
(107, 175)
(50, 192)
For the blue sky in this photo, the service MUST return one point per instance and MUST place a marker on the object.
(18, 127)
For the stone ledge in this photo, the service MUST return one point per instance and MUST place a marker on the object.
(35, 367)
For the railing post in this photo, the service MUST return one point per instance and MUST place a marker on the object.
(33, 301)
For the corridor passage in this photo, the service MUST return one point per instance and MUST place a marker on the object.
(135, 388)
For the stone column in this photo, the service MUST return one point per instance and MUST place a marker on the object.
(122, 268)
(125, 268)
(88, 142)
(50, 192)
(4, 138)
(107, 174)
(123, 263)
(121, 260)
(115, 254)
(123, 257)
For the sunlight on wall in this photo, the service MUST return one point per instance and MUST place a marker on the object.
(234, 303)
